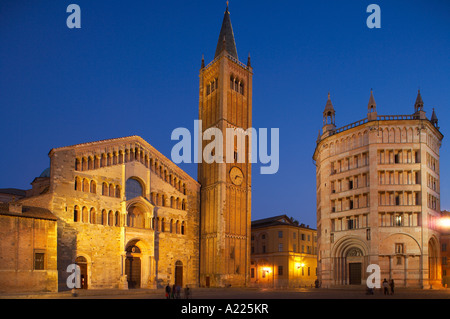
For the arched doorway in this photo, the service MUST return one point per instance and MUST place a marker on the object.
(350, 259)
(133, 266)
(355, 260)
(179, 273)
(433, 260)
(82, 263)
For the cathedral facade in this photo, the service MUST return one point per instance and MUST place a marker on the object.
(130, 218)
(378, 198)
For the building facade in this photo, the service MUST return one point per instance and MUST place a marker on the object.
(378, 197)
(283, 253)
(127, 215)
(131, 218)
(28, 249)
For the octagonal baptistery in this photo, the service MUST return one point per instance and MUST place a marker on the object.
(378, 198)
(127, 215)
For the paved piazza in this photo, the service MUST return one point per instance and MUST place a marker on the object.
(244, 293)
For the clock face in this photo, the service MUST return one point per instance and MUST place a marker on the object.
(236, 175)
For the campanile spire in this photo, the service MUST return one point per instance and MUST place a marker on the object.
(226, 37)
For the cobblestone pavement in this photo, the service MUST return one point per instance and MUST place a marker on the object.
(243, 293)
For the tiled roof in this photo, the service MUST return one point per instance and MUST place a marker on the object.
(277, 221)
(13, 191)
(28, 212)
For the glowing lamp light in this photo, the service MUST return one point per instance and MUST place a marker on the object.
(444, 222)
(266, 269)
(300, 265)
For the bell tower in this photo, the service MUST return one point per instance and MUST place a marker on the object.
(225, 102)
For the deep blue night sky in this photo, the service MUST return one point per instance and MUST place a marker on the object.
(132, 69)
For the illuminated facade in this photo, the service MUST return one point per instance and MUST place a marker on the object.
(378, 197)
(225, 103)
(283, 253)
(131, 218)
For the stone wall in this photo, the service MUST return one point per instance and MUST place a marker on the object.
(21, 238)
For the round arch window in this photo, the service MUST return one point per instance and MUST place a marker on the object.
(133, 189)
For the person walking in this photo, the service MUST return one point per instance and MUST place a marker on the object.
(173, 291)
(168, 291)
(386, 287)
(187, 292)
(392, 286)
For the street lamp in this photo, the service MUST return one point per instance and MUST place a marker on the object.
(300, 265)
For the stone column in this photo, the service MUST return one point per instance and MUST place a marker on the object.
(390, 266)
(123, 284)
(406, 270)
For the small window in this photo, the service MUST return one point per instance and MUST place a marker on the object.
(280, 234)
(398, 220)
(39, 261)
(280, 270)
(280, 247)
(350, 224)
(76, 214)
(399, 248)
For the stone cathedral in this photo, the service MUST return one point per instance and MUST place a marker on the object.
(128, 216)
